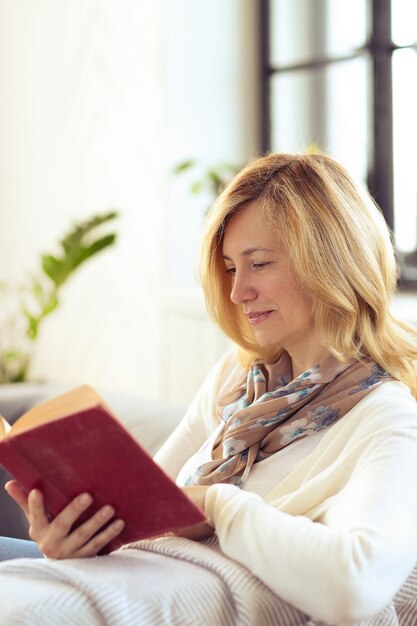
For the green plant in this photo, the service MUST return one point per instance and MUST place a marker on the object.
(212, 180)
(215, 178)
(25, 307)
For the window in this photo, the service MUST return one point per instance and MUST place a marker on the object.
(341, 75)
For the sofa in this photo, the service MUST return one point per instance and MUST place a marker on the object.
(149, 421)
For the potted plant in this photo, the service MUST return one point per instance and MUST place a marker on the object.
(25, 307)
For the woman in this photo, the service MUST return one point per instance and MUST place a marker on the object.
(299, 448)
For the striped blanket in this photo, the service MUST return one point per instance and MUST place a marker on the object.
(170, 581)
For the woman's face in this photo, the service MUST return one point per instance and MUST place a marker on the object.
(263, 284)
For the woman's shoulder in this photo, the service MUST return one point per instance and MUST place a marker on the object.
(391, 394)
(388, 406)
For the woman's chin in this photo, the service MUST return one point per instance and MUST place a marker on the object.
(265, 339)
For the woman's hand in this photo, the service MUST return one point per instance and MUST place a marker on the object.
(199, 531)
(54, 538)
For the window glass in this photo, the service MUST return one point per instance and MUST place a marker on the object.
(347, 26)
(325, 107)
(294, 126)
(405, 153)
(302, 30)
(404, 22)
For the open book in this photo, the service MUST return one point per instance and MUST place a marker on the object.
(73, 444)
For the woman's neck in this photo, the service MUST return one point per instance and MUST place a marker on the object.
(306, 358)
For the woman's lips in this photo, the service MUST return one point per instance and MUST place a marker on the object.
(257, 318)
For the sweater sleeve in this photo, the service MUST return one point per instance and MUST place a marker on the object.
(201, 418)
(346, 566)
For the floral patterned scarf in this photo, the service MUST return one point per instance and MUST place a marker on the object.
(267, 411)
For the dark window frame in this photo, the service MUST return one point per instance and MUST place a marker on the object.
(380, 49)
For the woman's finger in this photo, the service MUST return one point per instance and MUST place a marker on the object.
(80, 544)
(61, 525)
(101, 539)
(37, 515)
(84, 533)
(19, 495)
(86, 539)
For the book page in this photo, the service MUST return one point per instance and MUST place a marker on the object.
(4, 427)
(74, 401)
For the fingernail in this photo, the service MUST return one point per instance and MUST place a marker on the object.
(118, 525)
(84, 499)
(106, 511)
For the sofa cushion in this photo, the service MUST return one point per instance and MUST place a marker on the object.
(150, 421)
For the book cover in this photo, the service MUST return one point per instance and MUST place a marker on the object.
(89, 450)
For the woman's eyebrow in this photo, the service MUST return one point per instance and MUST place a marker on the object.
(250, 251)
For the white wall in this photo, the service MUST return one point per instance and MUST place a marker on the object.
(211, 76)
(212, 104)
(99, 99)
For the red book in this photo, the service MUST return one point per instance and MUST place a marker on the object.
(73, 444)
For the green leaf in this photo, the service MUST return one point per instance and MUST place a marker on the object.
(98, 245)
(37, 290)
(230, 167)
(52, 267)
(50, 305)
(214, 178)
(73, 240)
(75, 251)
(196, 187)
(313, 147)
(12, 355)
(21, 375)
(183, 166)
(33, 325)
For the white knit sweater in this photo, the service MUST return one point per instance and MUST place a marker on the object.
(337, 536)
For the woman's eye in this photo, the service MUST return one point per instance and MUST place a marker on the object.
(230, 270)
(259, 266)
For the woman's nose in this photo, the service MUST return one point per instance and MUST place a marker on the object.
(242, 290)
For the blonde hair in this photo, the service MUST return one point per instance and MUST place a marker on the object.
(341, 252)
